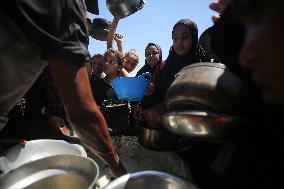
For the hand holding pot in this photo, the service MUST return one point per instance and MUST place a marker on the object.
(153, 115)
(150, 89)
(118, 171)
(137, 113)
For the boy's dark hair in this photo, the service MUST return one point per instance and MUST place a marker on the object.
(95, 56)
(115, 53)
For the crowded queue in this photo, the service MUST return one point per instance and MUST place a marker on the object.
(57, 90)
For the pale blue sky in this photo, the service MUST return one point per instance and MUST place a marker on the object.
(154, 24)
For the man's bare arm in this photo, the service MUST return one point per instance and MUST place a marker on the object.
(82, 111)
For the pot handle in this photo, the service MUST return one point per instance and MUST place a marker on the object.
(146, 76)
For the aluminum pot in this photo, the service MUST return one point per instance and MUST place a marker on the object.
(162, 140)
(20, 154)
(201, 125)
(59, 171)
(150, 180)
(100, 29)
(156, 139)
(123, 8)
(209, 86)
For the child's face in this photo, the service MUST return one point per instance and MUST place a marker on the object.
(129, 63)
(111, 65)
(182, 40)
(152, 55)
(97, 64)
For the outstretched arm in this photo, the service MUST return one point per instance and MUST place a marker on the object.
(111, 33)
(83, 113)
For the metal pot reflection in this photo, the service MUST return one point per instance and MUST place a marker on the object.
(157, 140)
(162, 140)
(202, 125)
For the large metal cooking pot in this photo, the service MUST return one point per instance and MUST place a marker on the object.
(59, 171)
(209, 86)
(100, 29)
(150, 180)
(162, 140)
(123, 8)
(202, 125)
(20, 154)
(157, 139)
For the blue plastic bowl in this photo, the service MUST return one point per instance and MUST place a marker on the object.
(131, 88)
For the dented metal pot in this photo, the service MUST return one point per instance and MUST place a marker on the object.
(210, 87)
(123, 8)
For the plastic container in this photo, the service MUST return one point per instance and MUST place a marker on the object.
(131, 88)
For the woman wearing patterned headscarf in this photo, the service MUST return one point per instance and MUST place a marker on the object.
(153, 65)
(153, 62)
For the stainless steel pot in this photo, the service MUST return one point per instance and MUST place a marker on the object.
(202, 125)
(59, 171)
(162, 140)
(209, 86)
(156, 139)
(151, 180)
(100, 29)
(123, 8)
(20, 154)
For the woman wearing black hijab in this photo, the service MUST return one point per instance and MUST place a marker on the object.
(184, 51)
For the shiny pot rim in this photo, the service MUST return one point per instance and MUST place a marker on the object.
(52, 168)
(204, 125)
(150, 179)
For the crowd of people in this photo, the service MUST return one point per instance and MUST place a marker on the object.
(46, 85)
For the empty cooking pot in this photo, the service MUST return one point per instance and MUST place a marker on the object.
(162, 140)
(209, 86)
(123, 8)
(202, 125)
(131, 88)
(100, 29)
(156, 139)
(151, 180)
(20, 154)
(59, 171)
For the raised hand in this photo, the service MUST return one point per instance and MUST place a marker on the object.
(219, 6)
